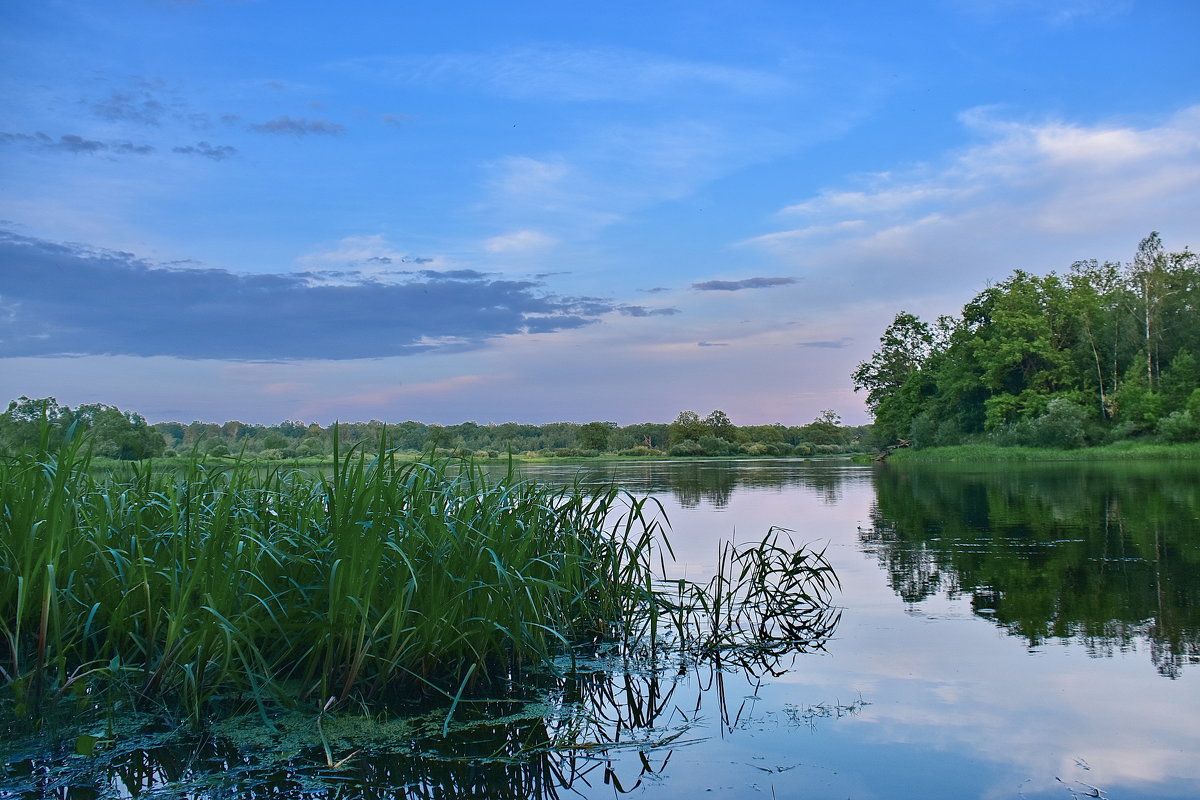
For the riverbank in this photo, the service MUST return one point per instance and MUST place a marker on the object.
(984, 453)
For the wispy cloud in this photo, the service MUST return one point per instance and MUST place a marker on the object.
(1056, 13)
(747, 283)
(518, 242)
(71, 143)
(712, 344)
(1031, 194)
(578, 74)
(139, 106)
(299, 127)
(70, 300)
(217, 152)
(369, 255)
(642, 311)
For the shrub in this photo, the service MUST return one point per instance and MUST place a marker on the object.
(687, 447)
(1179, 426)
(716, 446)
(1061, 426)
(640, 450)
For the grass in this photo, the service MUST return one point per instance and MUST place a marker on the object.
(190, 589)
(981, 453)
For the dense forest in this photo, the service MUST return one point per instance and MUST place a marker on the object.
(126, 435)
(1103, 353)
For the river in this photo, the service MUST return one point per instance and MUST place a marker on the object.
(1015, 632)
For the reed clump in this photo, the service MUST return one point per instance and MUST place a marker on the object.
(233, 583)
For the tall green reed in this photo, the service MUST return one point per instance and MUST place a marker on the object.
(382, 578)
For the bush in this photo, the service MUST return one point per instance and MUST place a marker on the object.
(640, 450)
(217, 449)
(923, 431)
(1179, 426)
(1061, 426)
(767, 449)
(804, 449)
(716, 446)
(687, 447)
(571, 452)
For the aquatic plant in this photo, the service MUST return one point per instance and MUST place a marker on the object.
(229, 583)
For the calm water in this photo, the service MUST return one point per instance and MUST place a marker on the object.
(1026, 632)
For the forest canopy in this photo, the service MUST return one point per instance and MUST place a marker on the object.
(1107, 351)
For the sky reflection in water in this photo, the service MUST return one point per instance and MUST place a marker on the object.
(957, 706)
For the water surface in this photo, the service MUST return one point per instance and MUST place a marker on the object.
(1030, 631)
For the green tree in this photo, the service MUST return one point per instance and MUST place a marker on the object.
(687, 427)
(1179, 380)
(118, 434)
(825, 429)
(595, 435)
(903, 348)
(720, 426)
(21, 425)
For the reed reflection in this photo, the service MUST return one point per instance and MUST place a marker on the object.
(552, 734)
(567, 740)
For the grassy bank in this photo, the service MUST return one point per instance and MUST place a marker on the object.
(217, 584)
(981, 453)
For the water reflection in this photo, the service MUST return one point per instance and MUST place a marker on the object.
(933, 562)
(709, 482)
(556, 736)
(1105, 555)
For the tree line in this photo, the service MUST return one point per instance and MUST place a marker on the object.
(1106, 352)
(126, 435)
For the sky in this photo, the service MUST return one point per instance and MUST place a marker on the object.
(539, 212)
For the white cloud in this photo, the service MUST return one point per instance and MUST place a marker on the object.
(1036, 195)
(368, 256)
(523, 176)
(518, 242)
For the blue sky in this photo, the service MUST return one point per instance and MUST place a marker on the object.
(555, 211)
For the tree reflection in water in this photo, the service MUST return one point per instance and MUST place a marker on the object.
(1103, 554)
(708, 482)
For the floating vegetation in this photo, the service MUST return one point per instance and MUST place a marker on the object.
(385, 601)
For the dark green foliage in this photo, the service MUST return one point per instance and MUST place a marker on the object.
(112, 433)
(125, 435)
(594, 435)
(1112, 343)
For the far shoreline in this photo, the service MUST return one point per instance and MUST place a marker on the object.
(997, 454)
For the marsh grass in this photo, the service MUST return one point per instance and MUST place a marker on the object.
(229, 585)
(988, 453)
